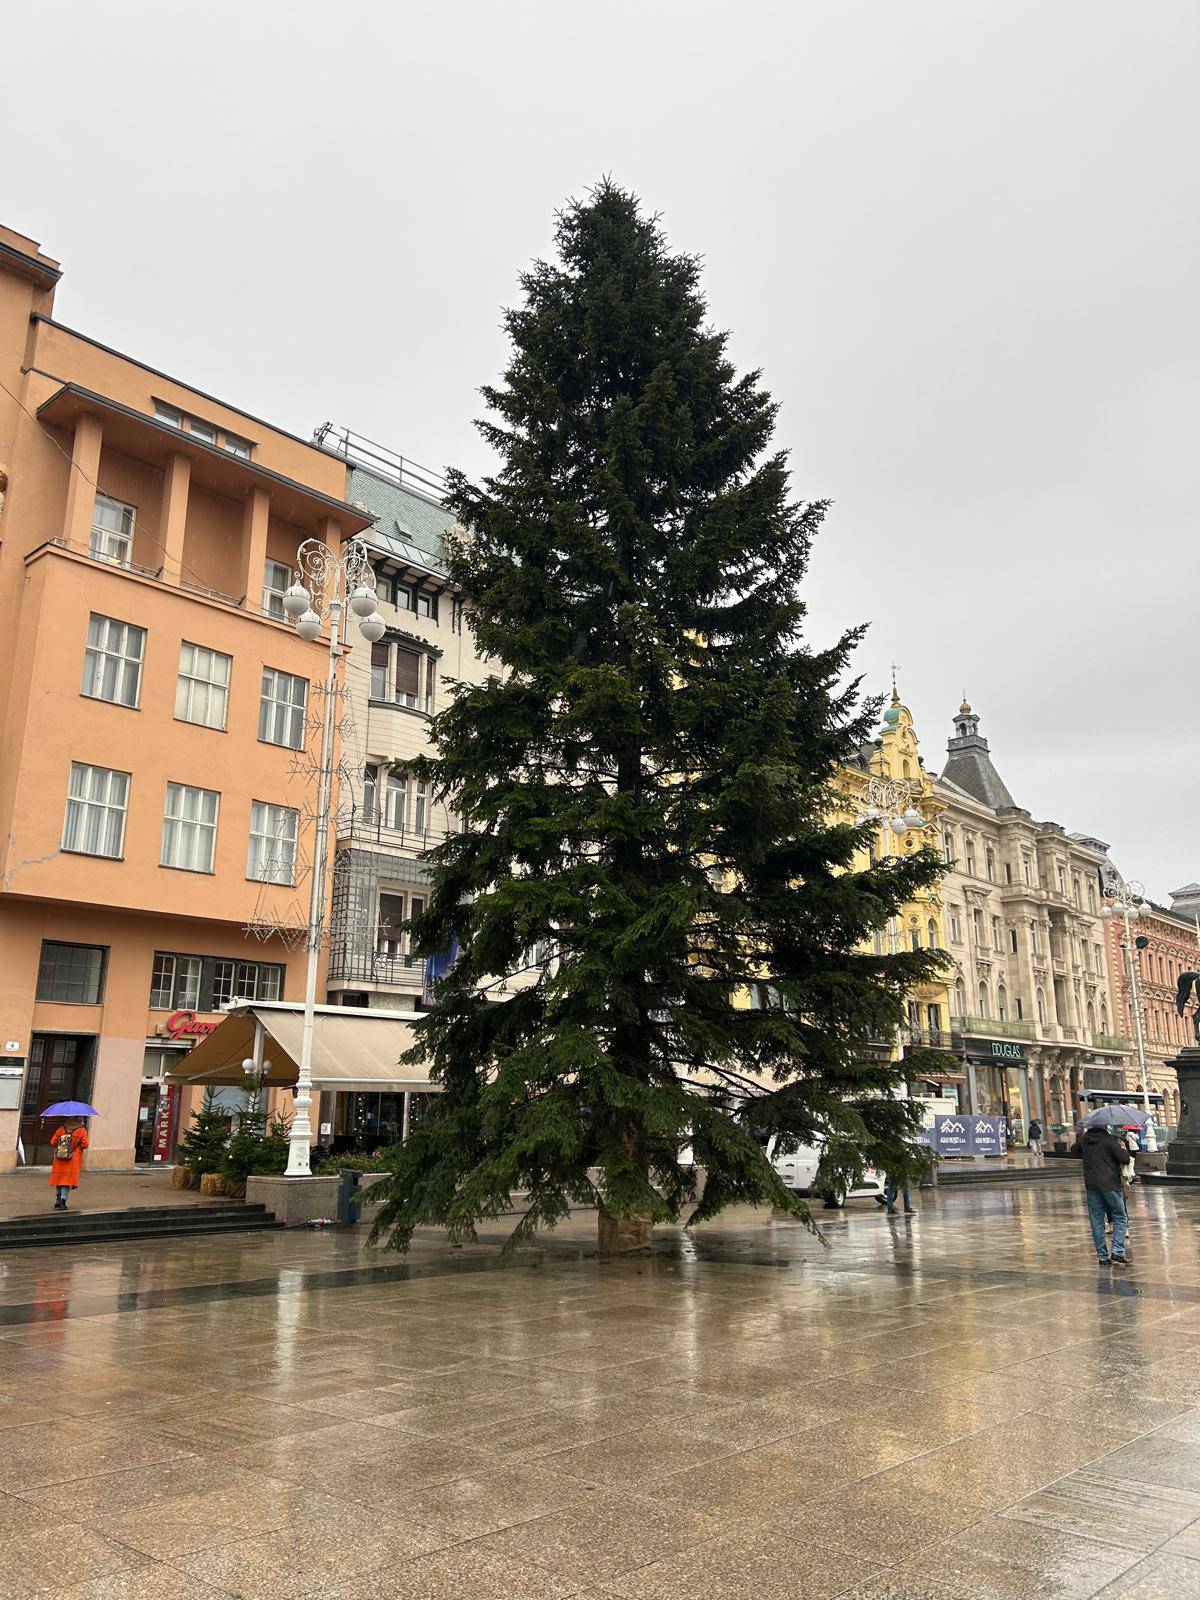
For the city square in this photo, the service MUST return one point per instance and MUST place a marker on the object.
(599, 904)
(945, 1407)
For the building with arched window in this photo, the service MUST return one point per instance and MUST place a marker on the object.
(1022, 903)
(1165, 944)
(894, 759)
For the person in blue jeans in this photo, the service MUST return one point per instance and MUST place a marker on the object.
(890, 1191)
(1104, 1160)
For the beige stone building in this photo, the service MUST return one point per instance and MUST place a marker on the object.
(1032, 1004)
(385, 821)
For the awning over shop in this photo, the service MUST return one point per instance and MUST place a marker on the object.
(353, 1048)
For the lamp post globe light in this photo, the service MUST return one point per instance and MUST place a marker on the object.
(1130, 904)
(890, 807)
(339, 582)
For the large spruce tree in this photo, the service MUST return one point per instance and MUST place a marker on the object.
(645, 785)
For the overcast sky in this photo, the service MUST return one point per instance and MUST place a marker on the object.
(960, 238)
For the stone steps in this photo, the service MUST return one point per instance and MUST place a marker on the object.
(139, 1222)
(1057, 1171)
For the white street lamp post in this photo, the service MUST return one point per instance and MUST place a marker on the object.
(1129, 903)
(336, 580)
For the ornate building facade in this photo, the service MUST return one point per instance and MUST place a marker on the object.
(1164, 944)
(889, 780)
(1034, 1017)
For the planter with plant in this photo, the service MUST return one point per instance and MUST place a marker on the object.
(202, 1148)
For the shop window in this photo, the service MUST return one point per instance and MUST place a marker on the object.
(72, 974)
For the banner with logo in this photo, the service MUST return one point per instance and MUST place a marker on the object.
(963, 1135)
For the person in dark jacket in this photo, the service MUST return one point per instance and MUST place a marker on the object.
(1104, 1159)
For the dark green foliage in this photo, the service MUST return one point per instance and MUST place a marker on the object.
(202, 1148)
(271, 1158)
(385, 1161)
(645, 788)
(241, 1153)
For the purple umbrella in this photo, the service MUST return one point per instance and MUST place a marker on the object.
(70, 1108)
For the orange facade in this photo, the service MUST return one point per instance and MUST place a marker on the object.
(156, 717)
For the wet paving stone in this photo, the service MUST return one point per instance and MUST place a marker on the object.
(961, 1409)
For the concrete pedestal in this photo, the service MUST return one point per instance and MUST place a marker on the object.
(1183, 1153)
(295, 1201)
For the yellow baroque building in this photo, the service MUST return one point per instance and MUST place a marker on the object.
(888, 782)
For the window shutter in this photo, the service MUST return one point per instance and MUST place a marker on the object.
(408, 672)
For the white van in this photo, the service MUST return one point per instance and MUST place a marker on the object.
(798, 1171)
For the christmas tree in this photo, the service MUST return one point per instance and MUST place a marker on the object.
(202, 1148)
(663, 938)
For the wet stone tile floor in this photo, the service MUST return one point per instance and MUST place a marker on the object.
(956, 1406)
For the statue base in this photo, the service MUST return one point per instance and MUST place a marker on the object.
(1183, 1153)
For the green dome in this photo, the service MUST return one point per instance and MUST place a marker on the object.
(892, 716)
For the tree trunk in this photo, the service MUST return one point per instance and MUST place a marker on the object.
(622, 1236)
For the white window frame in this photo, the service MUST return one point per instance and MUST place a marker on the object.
(189, 837)
(97, 804)
(235, 446)
(171, 415)
(274, 574)
(112, 540)
(245, 981)
(271, 851)
(420, 806)
(200, 699)
(204, 431)
(182, 987)
(281, 720)
(112, 659)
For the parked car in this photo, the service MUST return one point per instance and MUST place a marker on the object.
(798, 1169)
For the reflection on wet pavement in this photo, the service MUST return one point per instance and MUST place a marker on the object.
(957, 1405)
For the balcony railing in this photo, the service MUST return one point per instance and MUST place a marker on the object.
(987, 1028)
(1112, 1041)
(927, 1039)
(352, 962)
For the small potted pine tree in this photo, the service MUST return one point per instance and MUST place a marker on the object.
(202, 1148)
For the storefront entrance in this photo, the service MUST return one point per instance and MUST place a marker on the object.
(370, 1120)
(61, 1067)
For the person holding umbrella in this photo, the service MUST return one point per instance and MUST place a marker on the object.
(68, 1142)
(1105, 1156)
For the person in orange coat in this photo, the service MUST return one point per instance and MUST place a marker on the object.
(64, 1170)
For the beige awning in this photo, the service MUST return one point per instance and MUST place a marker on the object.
(352, 1048)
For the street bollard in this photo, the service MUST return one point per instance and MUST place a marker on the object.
(347, 1203)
